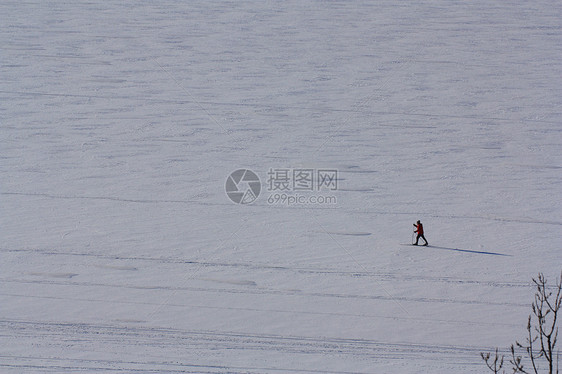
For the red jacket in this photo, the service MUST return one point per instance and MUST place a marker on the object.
(419, 229)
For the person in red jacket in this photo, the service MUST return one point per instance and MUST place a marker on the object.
(419, 231)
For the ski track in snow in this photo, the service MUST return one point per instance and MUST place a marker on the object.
(141, 338)
(194, 202)
(379, 276)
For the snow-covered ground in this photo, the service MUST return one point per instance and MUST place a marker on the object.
(121, 121)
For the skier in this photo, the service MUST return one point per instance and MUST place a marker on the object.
(419, 231)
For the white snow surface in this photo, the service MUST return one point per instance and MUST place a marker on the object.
(121, 121)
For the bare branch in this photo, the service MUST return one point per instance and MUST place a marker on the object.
(542, 333)
(495, 365)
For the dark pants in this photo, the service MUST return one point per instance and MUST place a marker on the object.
(421, 236)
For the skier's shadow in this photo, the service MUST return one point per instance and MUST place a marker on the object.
(470, 251)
